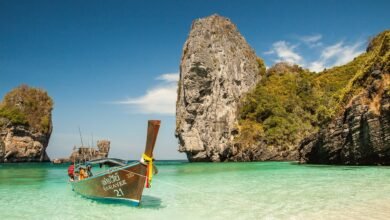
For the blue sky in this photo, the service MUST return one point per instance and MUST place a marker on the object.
(103, 62)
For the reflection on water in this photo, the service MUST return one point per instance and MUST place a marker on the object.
(151, 202)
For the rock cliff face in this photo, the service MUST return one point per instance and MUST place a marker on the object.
(22, 144)
(360, 133)
(224, 112)
(217, 68)
(25, 125)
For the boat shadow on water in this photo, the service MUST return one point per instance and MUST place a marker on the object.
(149, 202)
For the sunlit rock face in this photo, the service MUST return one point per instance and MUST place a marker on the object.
(217, 68)
(360, 133)
(19, 143)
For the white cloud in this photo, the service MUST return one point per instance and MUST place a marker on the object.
(285, 52)
(160, 99)
(336, 54)
(312, 40)
(316, 66)
(269, 52)
(347, 53)
(332, 50)
(169, 77)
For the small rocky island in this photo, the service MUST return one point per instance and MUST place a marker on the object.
(25, 125)
(86, 153)
(91, 153)
(229, 108)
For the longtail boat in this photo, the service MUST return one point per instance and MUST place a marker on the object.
(122, 181)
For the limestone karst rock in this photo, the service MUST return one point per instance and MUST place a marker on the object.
(230, 109)
(360, 133)
(25, 125)
(217, 68)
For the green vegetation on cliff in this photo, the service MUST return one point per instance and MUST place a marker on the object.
(376, 57)
(290, 102)
(282, 107)
(28, 106)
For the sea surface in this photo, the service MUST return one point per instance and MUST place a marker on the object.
(182, 190)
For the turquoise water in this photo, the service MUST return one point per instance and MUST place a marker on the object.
(264, 190)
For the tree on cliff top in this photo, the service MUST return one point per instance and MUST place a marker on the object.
(28, 106)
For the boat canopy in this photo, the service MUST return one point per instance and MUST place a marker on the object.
(108, 161)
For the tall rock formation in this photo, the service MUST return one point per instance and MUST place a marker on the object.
(360, 133)
(217, 68)
(25, 125)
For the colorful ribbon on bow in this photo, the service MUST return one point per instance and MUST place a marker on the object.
(149, 170)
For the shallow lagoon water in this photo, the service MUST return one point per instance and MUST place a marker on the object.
(181, 190)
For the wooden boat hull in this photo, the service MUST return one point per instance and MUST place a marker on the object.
(120, 183)
(123, 182)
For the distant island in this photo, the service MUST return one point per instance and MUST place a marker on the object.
(231, 108)
(87, 153)
(25, 125)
